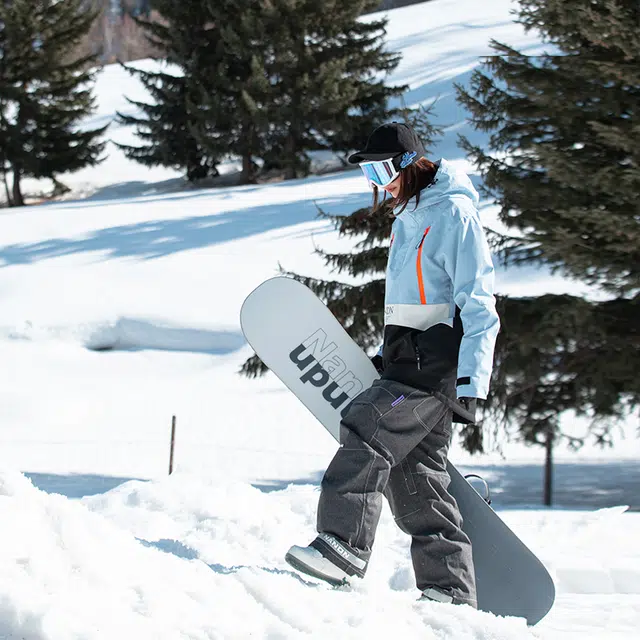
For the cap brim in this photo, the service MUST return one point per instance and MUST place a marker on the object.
(362, 156)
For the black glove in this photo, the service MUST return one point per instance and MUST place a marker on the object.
(467, 415)
(377, 363)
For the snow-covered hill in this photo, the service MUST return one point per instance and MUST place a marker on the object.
(97, 541)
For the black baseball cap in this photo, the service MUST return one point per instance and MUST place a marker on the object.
(389, 140)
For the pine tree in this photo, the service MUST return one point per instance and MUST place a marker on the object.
(326, 69)
(563, 163)
(235, 85)
(44, 96)
(267, 81)
(210, 105)
(359, 305)
(168, 126)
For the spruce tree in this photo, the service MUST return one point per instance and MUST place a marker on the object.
(235, 85)
(563, 163)
(328, 93)
(44, 95)
(168, 123)
(210, 104)
(267, 82)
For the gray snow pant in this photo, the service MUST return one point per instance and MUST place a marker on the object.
(394, 442)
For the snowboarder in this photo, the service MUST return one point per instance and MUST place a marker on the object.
(435, 362)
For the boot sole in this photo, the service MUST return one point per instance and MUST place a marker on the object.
(310, 571)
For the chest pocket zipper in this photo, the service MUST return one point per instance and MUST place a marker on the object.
(423, 297)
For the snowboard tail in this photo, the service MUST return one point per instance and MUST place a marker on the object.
(302, 342)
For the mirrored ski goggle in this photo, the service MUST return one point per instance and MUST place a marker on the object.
(380, 172)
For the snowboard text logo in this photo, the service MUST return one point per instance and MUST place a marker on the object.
(323, 368)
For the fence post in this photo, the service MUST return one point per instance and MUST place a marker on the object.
(173, 440)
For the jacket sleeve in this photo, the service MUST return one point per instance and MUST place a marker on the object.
(468, 263)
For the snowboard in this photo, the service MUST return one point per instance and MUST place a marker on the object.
(301, 341)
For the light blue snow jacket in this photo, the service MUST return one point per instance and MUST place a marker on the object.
(439, 273)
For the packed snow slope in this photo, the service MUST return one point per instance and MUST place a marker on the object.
(119, 309)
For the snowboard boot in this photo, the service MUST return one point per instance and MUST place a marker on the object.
(328, 559)
(436, 595)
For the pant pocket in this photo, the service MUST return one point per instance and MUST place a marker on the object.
(408, 478)
(430, 412)
(386, 401)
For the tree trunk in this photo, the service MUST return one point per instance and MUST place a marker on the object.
(290, 172)
(548, 468)
(6, 189)
(18, 200)
(248, 173)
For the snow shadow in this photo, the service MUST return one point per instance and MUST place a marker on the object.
(136, 188)
(159, 238)
(75, 485)
(180, 550)
(588, 485)
(269, 485)
(129, 334)
(174, 547)
(179, 184)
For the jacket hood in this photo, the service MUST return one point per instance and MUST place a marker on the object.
(448, 182)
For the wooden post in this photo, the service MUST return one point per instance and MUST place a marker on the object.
(548, 467)
(173, 440)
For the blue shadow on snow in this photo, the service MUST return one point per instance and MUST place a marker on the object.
(158, 238)
(75, 485)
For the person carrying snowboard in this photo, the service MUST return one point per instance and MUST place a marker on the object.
(435, 362)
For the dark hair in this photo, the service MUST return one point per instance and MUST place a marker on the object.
(413, 179)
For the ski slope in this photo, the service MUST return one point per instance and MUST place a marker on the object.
(119, 309)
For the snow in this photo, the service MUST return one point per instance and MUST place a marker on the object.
(120, 310)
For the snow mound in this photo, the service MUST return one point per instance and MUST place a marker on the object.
(68, 570)
(131, 334)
